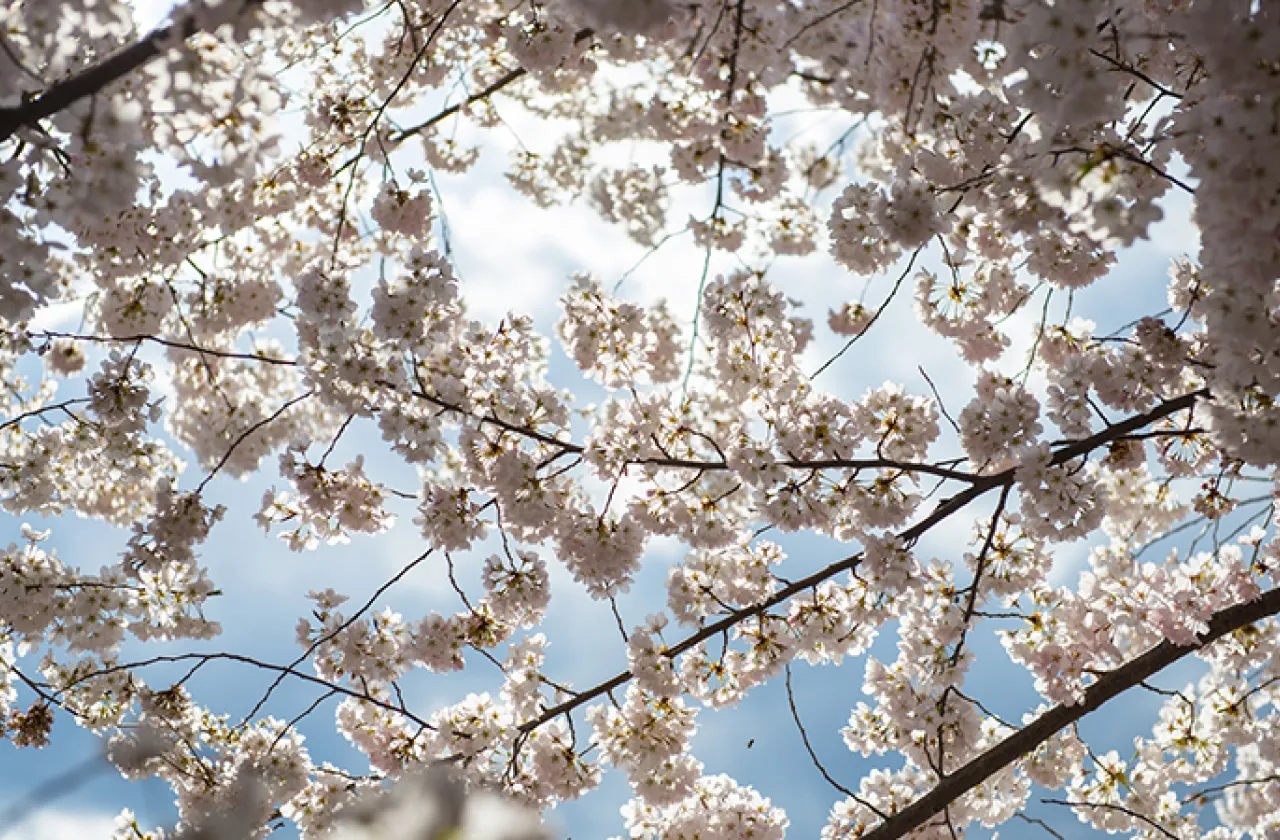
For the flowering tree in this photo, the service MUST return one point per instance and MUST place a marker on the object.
(238, 210)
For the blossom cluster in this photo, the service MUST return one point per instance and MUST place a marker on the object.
(241, 216)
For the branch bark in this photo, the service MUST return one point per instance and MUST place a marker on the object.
(88, 82)
(94, 79)
(1108, 686)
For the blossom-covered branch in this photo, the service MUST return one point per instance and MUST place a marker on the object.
(97, 77)
(262, 220)
(1108, 686)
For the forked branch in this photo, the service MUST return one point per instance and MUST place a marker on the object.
(907, 537)
(1108, 686)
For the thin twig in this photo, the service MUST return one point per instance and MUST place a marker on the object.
(813, 756)
(489, 90)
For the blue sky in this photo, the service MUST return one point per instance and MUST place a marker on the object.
(511, 255)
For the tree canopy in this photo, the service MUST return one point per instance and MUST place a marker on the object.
(226, 253)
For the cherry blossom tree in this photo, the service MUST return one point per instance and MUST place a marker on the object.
(222, 248)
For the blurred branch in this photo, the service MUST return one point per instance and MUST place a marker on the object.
(96, 77)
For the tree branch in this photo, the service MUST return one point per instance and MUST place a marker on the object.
(909, 537)
(93, 79)
(505, 80)
(691, 464)
(164, 342)
(1108, 686)
(288, 671)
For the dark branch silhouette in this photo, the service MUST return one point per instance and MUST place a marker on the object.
(908, 537)
(505, 80)
(92, 80)
(1108, 686)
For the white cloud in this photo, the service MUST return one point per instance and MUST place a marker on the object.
(64, 825)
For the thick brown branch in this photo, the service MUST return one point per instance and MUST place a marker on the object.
(93, 79)
(1108, 686)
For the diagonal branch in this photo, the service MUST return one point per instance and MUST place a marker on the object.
(333, 634)
(908, 537)
(813, 756)
(93, 79)
(1109, 685)
(1111, 806)
(503, 81)
(979, 566)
